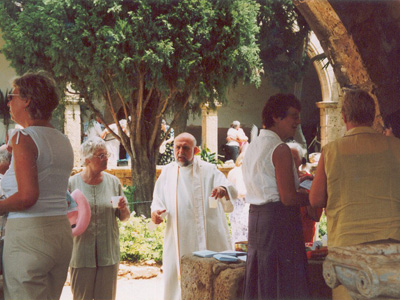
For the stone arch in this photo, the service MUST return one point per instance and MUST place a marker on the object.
(344, 57)
(326, 75)
(337, 43)
(330, 121)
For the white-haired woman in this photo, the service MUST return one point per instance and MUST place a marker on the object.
(95, 255)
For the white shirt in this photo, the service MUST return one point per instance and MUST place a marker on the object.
(233, 133)
(236, 177)
(259, 170)
(94, 129)
(54, 164)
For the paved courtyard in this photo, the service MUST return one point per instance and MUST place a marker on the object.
(128, 289)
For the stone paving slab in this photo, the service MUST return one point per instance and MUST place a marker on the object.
(139, 282)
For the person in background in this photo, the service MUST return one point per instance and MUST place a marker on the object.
(5, 160)
(239, 218)
(276, 257)
(92, 128)
(243, 140)
(357, 180)
(183, 193)
(167, 146)
(392, 124)
(38, 243)
(113, 144)
(95, 256)
(309, 215)
(233, 142)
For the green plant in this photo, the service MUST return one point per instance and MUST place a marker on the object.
(206, 155)
(129, 191)
(322, 225)
(4, 109)
(138, 243)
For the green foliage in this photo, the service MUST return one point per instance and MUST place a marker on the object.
(150, 57)
(138, 243)
(4, 109)
(206, 155)
(108, 46)
(283, 37)
(322, 225)
(129, 194)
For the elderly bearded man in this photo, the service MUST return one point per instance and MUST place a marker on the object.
(182, 192)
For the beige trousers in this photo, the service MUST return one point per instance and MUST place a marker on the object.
(94, 283)
(36, 256)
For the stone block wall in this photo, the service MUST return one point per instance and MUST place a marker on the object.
(210, 279)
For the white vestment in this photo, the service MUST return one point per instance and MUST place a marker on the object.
(191, 223)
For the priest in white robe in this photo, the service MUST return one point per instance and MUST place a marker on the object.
(181, 194)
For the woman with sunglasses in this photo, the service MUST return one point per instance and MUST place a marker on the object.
(95, 255)
(38, 241)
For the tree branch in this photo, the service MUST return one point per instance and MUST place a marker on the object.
(161, 109)
(139, 108)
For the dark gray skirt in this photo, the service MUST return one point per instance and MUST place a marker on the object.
(276, 259)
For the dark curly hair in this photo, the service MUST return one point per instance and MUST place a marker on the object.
(277, 106)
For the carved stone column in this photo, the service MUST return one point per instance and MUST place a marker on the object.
(72, 126)
(368, 271)
(332, 126)
(209, 128)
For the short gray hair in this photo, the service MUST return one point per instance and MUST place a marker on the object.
(235, 124)
(358, 106)
(90, 146)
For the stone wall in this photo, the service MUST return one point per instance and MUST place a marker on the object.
(209, 279)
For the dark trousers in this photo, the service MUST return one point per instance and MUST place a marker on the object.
(276, 258)
(231, 152)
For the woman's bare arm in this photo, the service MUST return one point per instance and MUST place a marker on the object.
(282, 160)
(24, 157)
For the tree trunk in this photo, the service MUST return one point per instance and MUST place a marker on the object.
(181, 122)
(143, 179)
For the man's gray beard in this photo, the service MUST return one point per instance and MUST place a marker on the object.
(186, 163)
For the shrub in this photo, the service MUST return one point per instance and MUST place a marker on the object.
(138, 243)
(206, 155)
(322, 225)
(129, 191)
